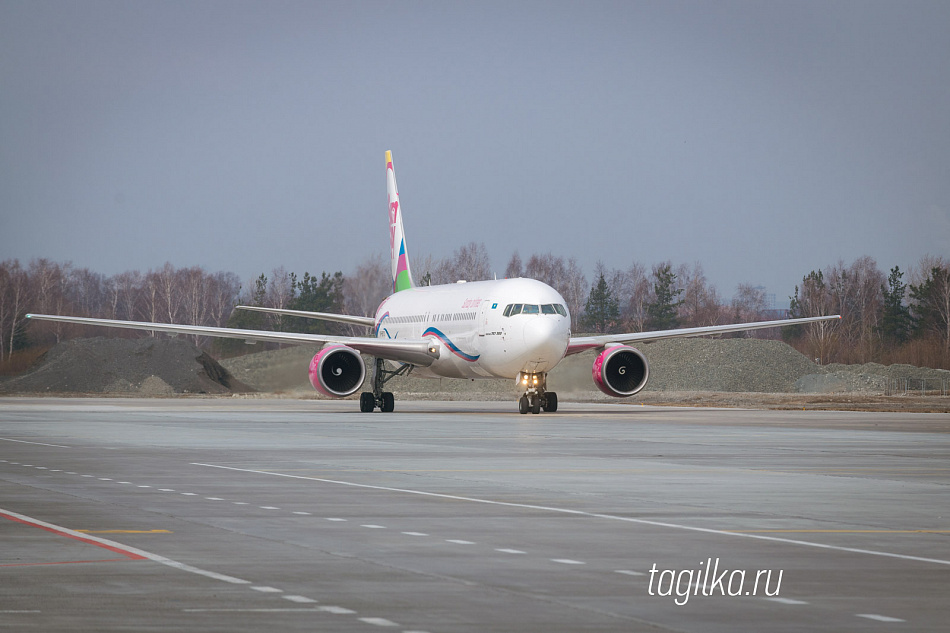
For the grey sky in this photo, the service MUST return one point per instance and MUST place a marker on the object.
(761, 139)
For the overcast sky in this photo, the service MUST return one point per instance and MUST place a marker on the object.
(761, 139)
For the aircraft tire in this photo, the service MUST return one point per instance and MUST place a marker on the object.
(535, 405)
(389, 402)
(550, 402)
(523, 405)
(367, 402)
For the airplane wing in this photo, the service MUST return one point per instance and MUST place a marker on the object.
(415, 352)
(323, 316)
(579, 344)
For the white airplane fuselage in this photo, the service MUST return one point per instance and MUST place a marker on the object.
(468, 321)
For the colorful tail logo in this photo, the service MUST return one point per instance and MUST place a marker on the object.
(402, 277)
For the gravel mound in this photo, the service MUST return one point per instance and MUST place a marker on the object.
(165, 366)
(143, 367)
(676, 365)
(872, 378)
(277, 371)
(735, 364)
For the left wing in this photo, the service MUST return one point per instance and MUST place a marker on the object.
(415, 352)
(582, 343)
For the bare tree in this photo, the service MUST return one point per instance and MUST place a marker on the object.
(365, 289)
(814, 298)
(931, 300)
(514, 268)
(48, 281)
(749, 304)
(223, 291)
(701, 305)
(633, 312)
(170, 299)
(124, 292)
(15, 290)
(565, 277)
(858, 298)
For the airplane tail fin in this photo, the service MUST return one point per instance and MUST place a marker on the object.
(401, 274)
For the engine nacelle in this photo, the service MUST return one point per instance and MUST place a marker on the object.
(621, 371)
(337, 371)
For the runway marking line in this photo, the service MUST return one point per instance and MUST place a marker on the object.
(299, 599)
(378, 621)
(132, 553)
(596, 515)
(7, 439)
(879, 618)
(786, 600)
(73, 534)
(125, 531)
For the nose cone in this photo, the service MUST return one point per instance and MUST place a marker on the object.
(545, 340)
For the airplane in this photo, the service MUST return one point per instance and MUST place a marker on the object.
(503, 328)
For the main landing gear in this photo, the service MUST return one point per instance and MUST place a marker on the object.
(536, 397)
(379, 399)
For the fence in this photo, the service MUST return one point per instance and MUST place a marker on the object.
(917, 387)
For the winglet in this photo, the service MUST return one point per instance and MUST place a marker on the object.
(401, 273)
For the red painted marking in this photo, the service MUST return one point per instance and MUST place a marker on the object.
(116, 550)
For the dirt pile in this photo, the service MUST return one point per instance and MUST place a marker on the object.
(144, 367)
(873, 378)
(677, 365)
(165, 366)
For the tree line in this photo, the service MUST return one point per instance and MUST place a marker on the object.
(884, 319)
(900, 317)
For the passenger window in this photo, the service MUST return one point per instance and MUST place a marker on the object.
(548, 308)
(516, 309)
(531, 309)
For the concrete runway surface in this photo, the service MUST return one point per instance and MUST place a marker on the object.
(288, 515)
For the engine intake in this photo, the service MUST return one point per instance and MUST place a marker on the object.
(337, 371)
(621, 371)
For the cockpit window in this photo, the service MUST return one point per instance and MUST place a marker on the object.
(548, 308)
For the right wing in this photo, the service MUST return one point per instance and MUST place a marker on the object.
(323, 316)
(415, 352)
(579, 344)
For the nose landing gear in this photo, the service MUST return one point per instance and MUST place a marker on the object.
(536, 396)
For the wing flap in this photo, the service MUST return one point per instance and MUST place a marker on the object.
(323, 316)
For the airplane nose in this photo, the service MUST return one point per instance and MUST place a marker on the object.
(546, 340)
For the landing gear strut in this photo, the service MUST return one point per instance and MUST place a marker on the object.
(379, 399)
(536, 396)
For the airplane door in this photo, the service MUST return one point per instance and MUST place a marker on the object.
(484, 315)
